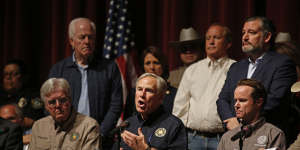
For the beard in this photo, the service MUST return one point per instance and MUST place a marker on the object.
(251, 49)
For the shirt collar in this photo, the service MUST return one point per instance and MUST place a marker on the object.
(259, 59)
(218, 62)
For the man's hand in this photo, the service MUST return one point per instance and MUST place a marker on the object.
(231, 123)
(136, 142)
(26, 139)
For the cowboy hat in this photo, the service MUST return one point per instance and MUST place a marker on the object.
(295, 87)
(283, 37)
(187, 36)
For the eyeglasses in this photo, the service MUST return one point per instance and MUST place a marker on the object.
(61, 101)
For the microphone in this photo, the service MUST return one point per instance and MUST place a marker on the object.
(119, 128)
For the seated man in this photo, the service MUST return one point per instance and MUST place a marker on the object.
(152, 128)
(10, 135)
(253, 132)
(14, 114)
(64, 128)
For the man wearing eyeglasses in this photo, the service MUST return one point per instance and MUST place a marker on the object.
(191, 48)
(64, 128)
(195, 101)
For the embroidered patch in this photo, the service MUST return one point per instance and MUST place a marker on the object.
(160, 132)
(262, 140)
(74, 136)
(36, 103)
(22, 102)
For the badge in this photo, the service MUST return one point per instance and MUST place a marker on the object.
(22, 102)
(36, 103)
(74, 136)
(168, 92)
(160, 132)
(262, 140)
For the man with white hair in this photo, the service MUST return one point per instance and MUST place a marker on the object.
(64, 128)
(95, 83)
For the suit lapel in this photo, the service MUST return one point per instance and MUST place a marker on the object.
(261, 66)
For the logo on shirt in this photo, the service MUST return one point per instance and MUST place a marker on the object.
(261, 141)
(74, 136)
(22, 102)
(160, 132)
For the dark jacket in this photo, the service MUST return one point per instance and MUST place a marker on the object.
(104, 89)
(276, 72)
(10, 136)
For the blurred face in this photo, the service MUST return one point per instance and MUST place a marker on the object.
(58, 105)
(152, 65)
(8, 112)
(83, 41)
(147, 98)
(253, 38)
(245, 107)
(189, 54)
(215, 43)
(12, 78)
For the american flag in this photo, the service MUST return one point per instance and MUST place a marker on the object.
(119, 44)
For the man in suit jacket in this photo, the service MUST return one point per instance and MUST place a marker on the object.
(10, 136)
(275, 71)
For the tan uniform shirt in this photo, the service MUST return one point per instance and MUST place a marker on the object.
(296, 144)
(176, 75)
(80, 132)
(195, 101)
(266, 136)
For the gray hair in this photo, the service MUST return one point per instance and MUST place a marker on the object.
(54, 84)
(74, 21)
(226, 33)
(161, 83)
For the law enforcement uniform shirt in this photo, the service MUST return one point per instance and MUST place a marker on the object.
(79, 132)
(265, 136)
(161, 131)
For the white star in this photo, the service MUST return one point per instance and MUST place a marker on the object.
(111, 31)
(115, 51)
(123, 18)
(132, 43)
(107, 56)
(127, 31)
(124, 47)
(116, 43)
(119, 35)
(108, 48)
(110, 39)
(126, 39)
(124, 10)
(121, 27)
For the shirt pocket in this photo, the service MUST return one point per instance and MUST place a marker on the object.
(43, 143)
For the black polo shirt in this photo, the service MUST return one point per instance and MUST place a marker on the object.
(162, 131)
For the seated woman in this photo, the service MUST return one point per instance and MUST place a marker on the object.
(153, 61)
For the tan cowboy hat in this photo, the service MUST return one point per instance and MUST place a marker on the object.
(187, 36)
(295, 87)
(283, 37)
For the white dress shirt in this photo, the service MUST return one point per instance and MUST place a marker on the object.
(195, 101)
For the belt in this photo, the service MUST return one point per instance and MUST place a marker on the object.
(205, 134)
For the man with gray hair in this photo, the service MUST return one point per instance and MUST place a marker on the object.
(95, 83)
(152, 128)
(64, 128)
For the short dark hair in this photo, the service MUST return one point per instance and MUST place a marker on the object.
(157, 53)
(258, 88)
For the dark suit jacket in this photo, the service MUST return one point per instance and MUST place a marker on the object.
(104, 89)
(276, 72)
(10, 136)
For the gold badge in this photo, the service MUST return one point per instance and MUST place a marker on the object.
(74, 136)
(160, 132)
(36, 103)
(22, 102)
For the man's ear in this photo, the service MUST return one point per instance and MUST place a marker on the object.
(267, 37)
(228, 45)
(71, 43)
(259, 102)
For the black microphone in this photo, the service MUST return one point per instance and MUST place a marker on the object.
(119, 128)
(237, 135)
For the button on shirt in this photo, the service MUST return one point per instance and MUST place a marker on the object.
(195, 101)
(161, 131)
(83, 106)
